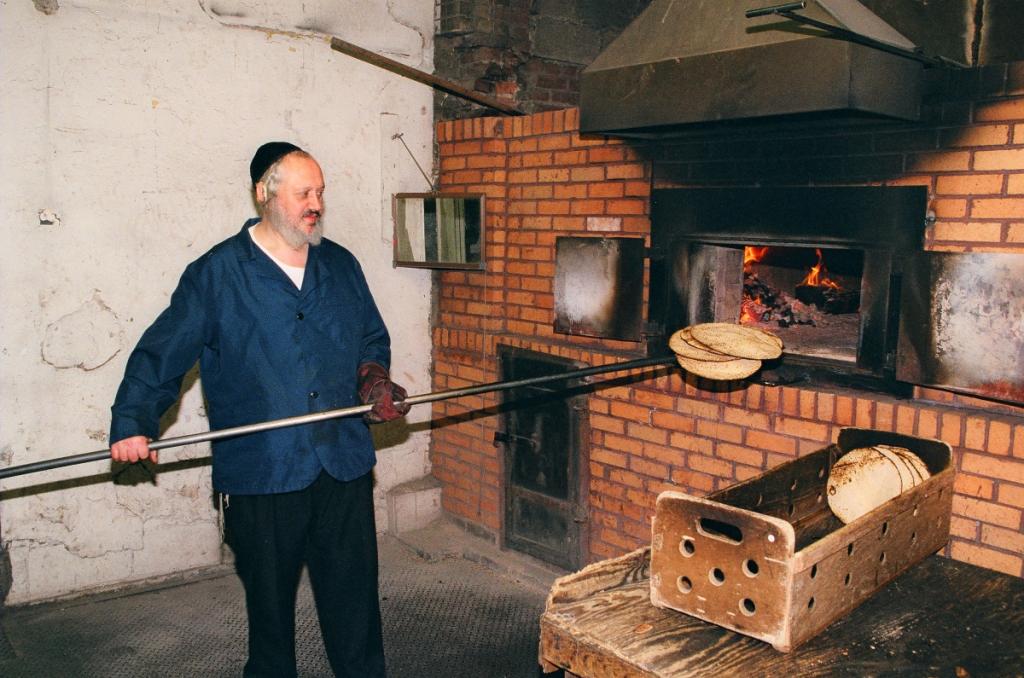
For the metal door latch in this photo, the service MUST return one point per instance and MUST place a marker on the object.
(503, 437)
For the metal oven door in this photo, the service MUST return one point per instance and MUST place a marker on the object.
(962, 323)
(541, 433)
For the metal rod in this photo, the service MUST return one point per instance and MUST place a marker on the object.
(434, 81)
(207, 436)
(774, 9)
(429, 181)
(786, 11)
(851, 36)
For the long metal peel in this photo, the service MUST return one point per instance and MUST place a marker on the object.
(207, 436)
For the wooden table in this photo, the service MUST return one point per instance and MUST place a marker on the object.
(940, 618)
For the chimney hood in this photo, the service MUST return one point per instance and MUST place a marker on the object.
(692, 63)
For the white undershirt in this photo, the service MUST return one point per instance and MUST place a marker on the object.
(296, 273)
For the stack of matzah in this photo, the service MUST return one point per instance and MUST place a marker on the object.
(723, 351)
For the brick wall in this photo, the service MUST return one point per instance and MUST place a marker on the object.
(543, 179)
(528, 53)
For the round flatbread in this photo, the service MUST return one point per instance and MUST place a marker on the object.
(682, 343)
(737, 340)
(915, 463)
(860, 481)
(728, 370)
(908, 478)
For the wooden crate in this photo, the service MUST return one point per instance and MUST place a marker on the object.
(767, 558)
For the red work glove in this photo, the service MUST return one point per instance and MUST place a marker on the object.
(375, 386)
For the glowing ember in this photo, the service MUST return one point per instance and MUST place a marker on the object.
(751, 311)
(803, 304)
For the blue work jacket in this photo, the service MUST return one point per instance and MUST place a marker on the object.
(266, 350)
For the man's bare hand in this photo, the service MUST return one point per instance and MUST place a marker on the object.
(131, 450)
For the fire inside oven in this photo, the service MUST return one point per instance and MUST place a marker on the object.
(824, 269)
(809, 296)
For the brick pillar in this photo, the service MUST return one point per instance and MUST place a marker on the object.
(528, 53)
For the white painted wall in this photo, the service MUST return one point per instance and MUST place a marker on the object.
(126, 130)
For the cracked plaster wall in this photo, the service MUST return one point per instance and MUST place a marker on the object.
(127, 132)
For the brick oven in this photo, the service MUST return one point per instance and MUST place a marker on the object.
(659, 429)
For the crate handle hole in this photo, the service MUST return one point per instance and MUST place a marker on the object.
(913, 537)
(814, 571)
(810, 604)
(849, 549)
(750, 567)
(684, 584)
(846, 580)
(687, 547)
(820, 497)
(716, 576)
(821, 472)
(748, 607)
(881, 558)
(885, 528)
(792, 485)
(717, 529)
(915, 510)
(791, 510)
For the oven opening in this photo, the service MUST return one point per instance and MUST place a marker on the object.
(838, 314)
(809, 296)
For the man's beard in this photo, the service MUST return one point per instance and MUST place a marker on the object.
(294, 234)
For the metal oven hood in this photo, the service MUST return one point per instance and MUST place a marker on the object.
(690, 62)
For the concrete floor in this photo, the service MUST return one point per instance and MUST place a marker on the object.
(453, 605)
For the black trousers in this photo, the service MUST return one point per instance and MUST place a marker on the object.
(329, 526)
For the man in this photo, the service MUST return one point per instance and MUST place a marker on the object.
(282, 323)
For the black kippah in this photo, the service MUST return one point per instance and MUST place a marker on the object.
(266, 155)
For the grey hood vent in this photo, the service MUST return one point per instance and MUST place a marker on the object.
(690, 62)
